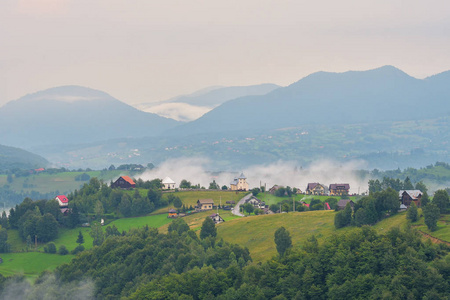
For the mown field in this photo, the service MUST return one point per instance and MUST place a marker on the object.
(190, 198)
(257, 232)
(31, 264)
(270, 199)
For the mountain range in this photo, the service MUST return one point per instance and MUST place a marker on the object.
(74, 115)
(383, 94)
(377, 115)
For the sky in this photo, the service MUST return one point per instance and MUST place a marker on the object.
(143, 51)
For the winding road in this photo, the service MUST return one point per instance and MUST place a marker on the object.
(236, 210)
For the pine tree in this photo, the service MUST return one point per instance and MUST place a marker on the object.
(80, 239)
(208, 228)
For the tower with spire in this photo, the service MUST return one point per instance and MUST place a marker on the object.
(239, 183)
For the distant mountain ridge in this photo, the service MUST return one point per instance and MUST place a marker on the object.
(74, 114)
(383, 94)
(12, 158)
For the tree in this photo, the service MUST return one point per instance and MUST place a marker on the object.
(208, 228)
(97, 234)
(431, 214)
(407, 185)
(282, 240)
(177, 202)
(98, 210)
(80, 239)
(184, 184)
(425, 199)
(51, 248)
(421, 187)
(214, 186)
(63, 250)
(47, 228)
(179, 226)
(224, 188)
(4, 245)
(255, 191)
(248, 208)
(441, 200)
(412, 213)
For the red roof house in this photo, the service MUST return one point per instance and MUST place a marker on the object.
(62, 200)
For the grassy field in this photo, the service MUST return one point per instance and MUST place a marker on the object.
(190, 198)
(443, 231)
(65, 181)
(272, 199)
(257, 232)
(195, 220)
(31, 264)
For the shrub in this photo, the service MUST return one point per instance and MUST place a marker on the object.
(63, 250)
(77, 250)
(51, 248)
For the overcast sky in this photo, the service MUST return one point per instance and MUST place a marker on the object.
(143, 50)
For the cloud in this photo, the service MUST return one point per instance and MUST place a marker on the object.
(47, 287)
(286, 173)
(177, 111)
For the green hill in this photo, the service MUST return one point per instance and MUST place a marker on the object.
(16, 158)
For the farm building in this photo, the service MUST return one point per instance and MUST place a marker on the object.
(339, 189)
(343, 203)
(124, 182)
(408, 196)
(172, 213)
(239, 184)
(216, 218)
(204, 204)
(168, 183)
(315, 188)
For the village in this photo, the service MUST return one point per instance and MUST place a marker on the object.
(240, 184)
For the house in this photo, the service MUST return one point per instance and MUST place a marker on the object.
(408, 196)
(204, 204)
(62, 201)
(239, 184)
(216, 218)
(339, 189)
(315, 188)
(275, 188)
(256, 202)
(343, 203)
(168, 184)
(124, 182)
(172, 213)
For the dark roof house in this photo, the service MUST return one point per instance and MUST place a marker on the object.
(124, 182)
(343, 203)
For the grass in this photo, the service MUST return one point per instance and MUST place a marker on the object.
(257, 232)
(443, 231)
(31, 264)
(62, 182)
(195, 220)
(270, 199)
(189, 198)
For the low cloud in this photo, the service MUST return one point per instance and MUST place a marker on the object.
(177, 111)
(286, 173)
(48, 287)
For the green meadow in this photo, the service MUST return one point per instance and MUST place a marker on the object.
(30, 264)
(189, 198)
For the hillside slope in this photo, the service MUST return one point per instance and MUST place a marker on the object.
(11, 158)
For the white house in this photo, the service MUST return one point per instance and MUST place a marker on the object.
(168, 184)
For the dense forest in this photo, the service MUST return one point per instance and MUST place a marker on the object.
(359, 264)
